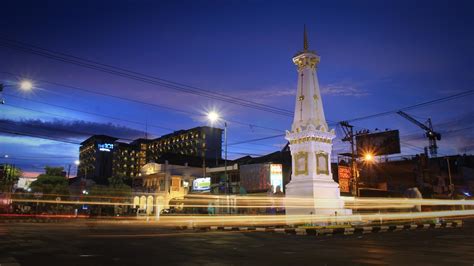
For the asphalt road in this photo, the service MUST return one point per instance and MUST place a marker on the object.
(133, 244)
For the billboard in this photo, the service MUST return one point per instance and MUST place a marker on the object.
(380, 143)
(202, 184)
(255, 177)
(276, 176)
(345, 175)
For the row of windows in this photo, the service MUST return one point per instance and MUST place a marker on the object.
(183, 137)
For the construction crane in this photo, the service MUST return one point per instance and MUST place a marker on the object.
(429, 132)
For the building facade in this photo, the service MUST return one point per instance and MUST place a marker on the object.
(96, 158)
(102, 157)
(203, 142)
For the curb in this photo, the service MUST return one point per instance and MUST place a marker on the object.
(340, 230)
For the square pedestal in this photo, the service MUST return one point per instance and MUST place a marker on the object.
(318, 197)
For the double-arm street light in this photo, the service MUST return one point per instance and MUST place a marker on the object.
(214, 117)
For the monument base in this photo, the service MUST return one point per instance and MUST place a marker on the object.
(318, 197)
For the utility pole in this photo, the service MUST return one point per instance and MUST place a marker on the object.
(451, 186)
(349, 136)
(68, 170)
(203, 162)
(225, 158)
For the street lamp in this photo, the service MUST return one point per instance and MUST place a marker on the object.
(369, 157)
(213, 118)
(24, 85)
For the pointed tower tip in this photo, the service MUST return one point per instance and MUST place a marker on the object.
(305, 39)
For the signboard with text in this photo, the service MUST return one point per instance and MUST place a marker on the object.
(202, 184)
(276, 176)
(105, 147)
(344, 173)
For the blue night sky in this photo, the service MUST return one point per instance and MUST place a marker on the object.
(376, 56)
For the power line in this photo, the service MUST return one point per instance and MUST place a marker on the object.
(80, 111)
(463, 94)
(64, 140)
(415, 106)
(90, 133)
(253, 140)
(185, 88)
(12, 132)
(28, 48)
(135, 101)
(69, 131)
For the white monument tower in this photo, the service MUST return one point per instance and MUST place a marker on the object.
(311, 189)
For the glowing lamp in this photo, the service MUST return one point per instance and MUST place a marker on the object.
(368, 157)
(213, 116)
(26, 85)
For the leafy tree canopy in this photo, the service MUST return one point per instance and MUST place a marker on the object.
(54, 171)
(9, 176)
(51, 182)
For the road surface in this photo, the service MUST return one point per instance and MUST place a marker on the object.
(85, 243)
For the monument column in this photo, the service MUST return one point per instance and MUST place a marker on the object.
(311, 189)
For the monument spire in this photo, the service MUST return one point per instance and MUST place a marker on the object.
(309, 106)
(305, 40)
(311, 144)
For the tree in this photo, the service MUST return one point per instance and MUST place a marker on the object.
(117, 191)
(51, 182)
(54, 171)
(9, 177)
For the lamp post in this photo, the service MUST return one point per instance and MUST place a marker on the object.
(451, 186)
(77, 163)
(24, 85)
(214, 117)
(83, 178)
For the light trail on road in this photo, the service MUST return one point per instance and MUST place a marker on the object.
(374, 209)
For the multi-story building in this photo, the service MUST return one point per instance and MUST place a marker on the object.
(96, 157)
(125, 160)
(204, 142)
(102, 157)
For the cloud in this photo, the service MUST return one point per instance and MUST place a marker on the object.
(266, 93)
(69, 130)
(340, 89)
